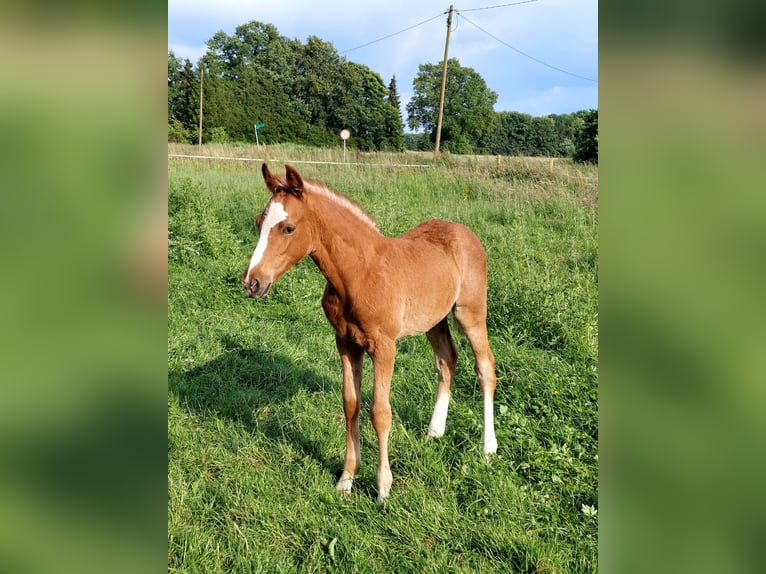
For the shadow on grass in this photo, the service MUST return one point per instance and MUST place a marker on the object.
(255, 386)
(241, 383)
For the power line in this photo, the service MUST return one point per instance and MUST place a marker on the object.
(460, 12)
(392, 35)
(498, 6)
(524, 53)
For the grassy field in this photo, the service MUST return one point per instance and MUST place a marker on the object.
(255, 418)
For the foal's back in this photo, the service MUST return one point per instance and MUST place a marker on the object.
(455, 239)
(437, 264)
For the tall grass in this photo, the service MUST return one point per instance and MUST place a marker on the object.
(255, 421)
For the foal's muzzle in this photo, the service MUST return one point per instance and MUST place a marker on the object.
(254, 288)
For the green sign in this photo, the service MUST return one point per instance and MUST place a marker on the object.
(258, 126)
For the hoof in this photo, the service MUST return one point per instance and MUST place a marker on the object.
(490, 447)
(384, 484)
(344, 484)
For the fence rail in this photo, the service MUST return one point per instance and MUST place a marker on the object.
(415, 165)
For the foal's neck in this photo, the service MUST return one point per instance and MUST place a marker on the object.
(345, 240)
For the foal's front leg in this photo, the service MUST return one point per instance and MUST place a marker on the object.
(351, 356)
(380, 410)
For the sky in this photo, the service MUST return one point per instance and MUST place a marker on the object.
(551, 34)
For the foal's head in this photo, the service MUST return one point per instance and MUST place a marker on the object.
(285, 234)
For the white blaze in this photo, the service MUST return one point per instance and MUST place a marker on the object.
(274, 215)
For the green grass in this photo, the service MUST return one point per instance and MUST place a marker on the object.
(255, 418)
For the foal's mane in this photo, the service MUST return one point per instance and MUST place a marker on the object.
(320, 189)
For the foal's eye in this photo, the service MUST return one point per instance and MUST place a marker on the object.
(288, 229)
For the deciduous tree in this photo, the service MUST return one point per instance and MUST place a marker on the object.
(468, 105)
(586, 144)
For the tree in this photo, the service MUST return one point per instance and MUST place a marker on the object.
(511, 134)
(245, 80)
(317, 80)
(586, 142)
(360, 106)
(174, 72)
(544, 140)
(394, 130)
(272, 55)
(567, 126)
(468, 105)
(393, 96)
(183, 97)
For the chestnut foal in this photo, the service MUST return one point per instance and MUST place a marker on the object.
(378, 290)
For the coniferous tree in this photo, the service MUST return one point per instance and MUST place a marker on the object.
(183, 93)
(393, 96)
(177, 130)
(394, 138)
(174, 72)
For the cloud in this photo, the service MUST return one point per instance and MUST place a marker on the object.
(182, 51)
(554, 100)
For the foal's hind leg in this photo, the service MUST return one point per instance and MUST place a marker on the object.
(473, 322)
(445, 353)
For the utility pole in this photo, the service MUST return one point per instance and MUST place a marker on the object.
(444, 84)
(201, 75)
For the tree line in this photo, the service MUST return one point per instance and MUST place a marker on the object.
(572, 135)
(307, 93)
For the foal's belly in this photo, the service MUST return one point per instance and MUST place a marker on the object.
(421, 325)
(426, 302)
(422, 314)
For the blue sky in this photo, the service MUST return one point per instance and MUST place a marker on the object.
(560, 33)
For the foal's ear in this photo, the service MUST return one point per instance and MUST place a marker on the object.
(294, 181)
(271, 182)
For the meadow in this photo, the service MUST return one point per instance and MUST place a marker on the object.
(255, 418)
